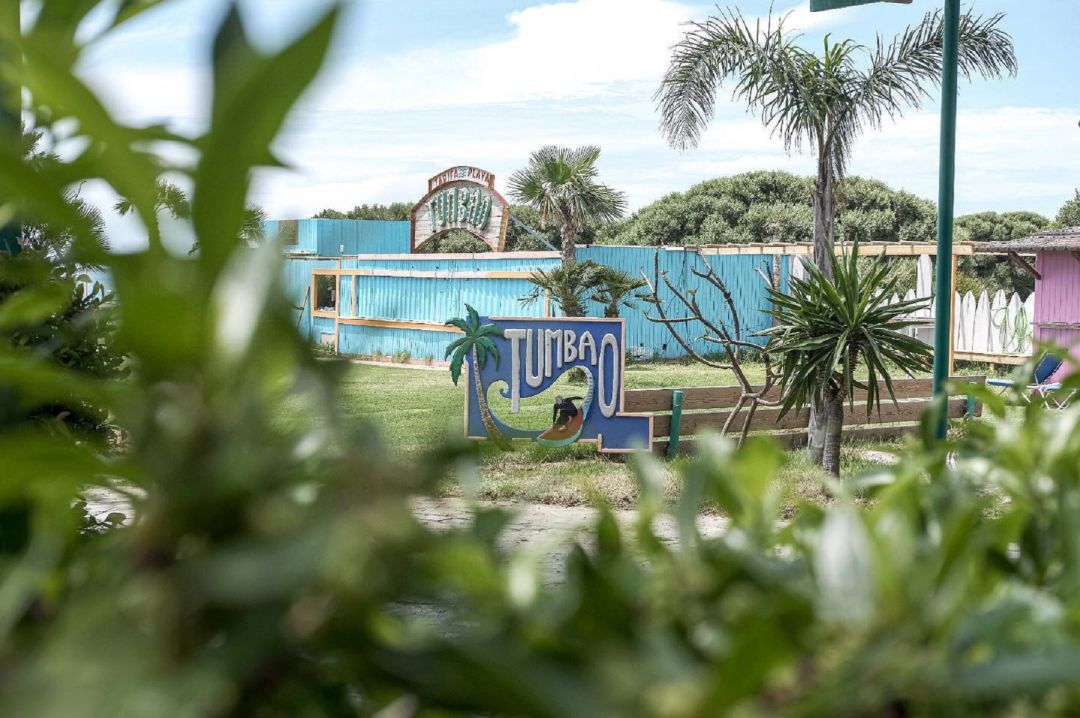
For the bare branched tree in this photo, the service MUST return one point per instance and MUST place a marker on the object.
(717, 331)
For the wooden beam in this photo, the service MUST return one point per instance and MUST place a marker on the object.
(725, 397)
(1022, 264)
(952, 317)
(891, 249)
(303, 305)
(422, 274)
(768, 419)
(1013, 359)
(398, 324)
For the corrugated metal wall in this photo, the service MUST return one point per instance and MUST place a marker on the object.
(748, 290)
(435, 299)
(336, 237)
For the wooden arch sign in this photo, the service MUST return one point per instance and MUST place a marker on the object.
(462, 198)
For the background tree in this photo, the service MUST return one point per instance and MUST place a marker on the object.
(560, 183)
(772, 206)
(827, 330)
(395, 211)
(478, 345)
(821, 102)
(1069, 214)
(73, 326)
(173, 201)
(988, 273)
(569, 285)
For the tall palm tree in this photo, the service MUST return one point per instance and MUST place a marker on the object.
(477, 343)
(615, 288)
(560, 183)
(822, 102)
(827, 329)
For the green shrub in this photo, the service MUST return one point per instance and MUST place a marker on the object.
(277, 570)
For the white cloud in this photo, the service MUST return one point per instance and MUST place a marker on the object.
(375, 128)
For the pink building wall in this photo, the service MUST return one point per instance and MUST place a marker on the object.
(1057, 299)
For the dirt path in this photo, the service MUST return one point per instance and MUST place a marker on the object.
(543, 532)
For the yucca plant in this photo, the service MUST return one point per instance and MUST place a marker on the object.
(826, 332)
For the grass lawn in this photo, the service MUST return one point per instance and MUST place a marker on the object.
(414, 409)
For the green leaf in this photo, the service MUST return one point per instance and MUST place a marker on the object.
(245, 119)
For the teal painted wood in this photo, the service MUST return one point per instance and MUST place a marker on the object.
(370, 341)
(503, 263)
(748, 290)
(435, 299)
(336, 237)
(296, 278)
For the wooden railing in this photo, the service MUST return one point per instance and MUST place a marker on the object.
(707, 408)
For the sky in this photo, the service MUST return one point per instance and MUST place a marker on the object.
(415, 86)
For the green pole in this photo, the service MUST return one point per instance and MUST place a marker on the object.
(946, 185)
(10, 112)
(676, 423)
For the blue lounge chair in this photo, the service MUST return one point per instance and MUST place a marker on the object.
(1042, 387)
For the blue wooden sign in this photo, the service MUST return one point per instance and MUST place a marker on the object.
(522, 358)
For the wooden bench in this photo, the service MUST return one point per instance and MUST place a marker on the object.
(708, 407)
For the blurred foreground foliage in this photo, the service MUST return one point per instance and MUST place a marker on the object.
(278, 570)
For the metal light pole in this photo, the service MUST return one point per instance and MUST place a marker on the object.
(946, 187)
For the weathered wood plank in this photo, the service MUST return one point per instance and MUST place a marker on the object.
(769, 419)
(725, 397)
(797, 439)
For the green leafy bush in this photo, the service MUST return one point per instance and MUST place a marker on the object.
(277, 569)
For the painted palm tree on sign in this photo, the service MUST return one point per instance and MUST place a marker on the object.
(824, 101)
(478, 345)
(560, 183)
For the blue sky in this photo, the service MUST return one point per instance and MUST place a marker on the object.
(415, 86)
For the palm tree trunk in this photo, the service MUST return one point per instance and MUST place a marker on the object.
(824, 216)
(834, 411)
(485, 410)
(824, 242)
(817, 429)
(569, 236)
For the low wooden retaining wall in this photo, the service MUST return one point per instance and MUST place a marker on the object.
(709, 407)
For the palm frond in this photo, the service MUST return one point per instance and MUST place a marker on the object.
(825, 329)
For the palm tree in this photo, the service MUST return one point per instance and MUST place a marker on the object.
(561, 184)
(175, 202)
(826, 330)
(568, 284)
(615, 288)
(478, 344)
(823, 102)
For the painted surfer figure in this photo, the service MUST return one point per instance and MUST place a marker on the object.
(564, 410)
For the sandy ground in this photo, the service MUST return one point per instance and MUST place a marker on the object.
(544, 532)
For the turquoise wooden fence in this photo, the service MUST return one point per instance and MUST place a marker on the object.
(390, 302)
